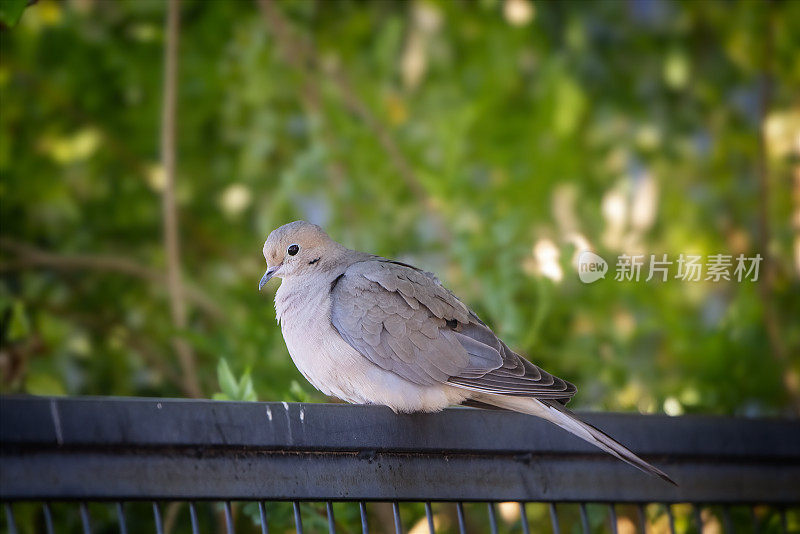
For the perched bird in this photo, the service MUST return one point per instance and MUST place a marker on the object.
(370, 330)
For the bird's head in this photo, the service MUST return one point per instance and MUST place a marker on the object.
(296, 248)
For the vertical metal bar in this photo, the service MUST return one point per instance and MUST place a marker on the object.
(331, 520)
(12, 525)
(262, 512)
(612, 514)
(784, 524)
(157, 518)
(698, 517)
(492, 519)
(726, 519)
(87, 524)
(754, 518)
(462, 523)
(554, 518)
(193, 517)
(584, 519)
(362, 508)
(228, 517)
(398, 523)
(642, 517)
(48, 518)
(123, 527)
(671, 518)
(429, 515)
(298, 521)
(523, 517)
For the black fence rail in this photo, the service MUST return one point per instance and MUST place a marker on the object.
(125, 453)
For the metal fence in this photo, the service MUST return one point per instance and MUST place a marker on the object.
(103, 457)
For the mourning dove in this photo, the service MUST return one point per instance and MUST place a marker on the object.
(370, 330)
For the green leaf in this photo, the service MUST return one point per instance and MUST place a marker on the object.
(43, 384)
(20, 326)
(298, 393)
(246, 390)
(570, 105)
(232, 389)
(11, 11)
(227, 382)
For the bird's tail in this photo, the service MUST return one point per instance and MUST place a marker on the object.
(562, 417)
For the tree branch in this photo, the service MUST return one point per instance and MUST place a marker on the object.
(301, 56)
(27, 257)
(791, 382)
(191, 384)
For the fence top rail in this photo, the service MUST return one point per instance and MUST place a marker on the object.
(151, 422)
(132, 449)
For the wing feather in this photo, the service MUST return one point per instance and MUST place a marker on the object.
(403, 320)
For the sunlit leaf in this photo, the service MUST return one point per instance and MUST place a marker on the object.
(19, 327)
(11, 11)
(227, 382)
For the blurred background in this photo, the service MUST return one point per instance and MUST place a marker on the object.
(487, 141)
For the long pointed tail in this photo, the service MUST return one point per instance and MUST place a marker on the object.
(562, 417)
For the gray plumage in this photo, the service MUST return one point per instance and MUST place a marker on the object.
(403, 320)
(371, 330)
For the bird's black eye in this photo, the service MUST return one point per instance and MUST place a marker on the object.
(293, 249)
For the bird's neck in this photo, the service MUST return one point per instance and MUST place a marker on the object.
(302, 297)
(307, 294)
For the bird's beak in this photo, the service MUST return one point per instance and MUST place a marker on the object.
(267, 275)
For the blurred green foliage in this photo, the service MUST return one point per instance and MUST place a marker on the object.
(11, 11)
(627, 127)
(232, 389)
(486, 141)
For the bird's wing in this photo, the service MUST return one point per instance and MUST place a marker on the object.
(403, 320)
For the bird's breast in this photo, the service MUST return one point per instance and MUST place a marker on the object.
(315, 347)
(337, 369)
